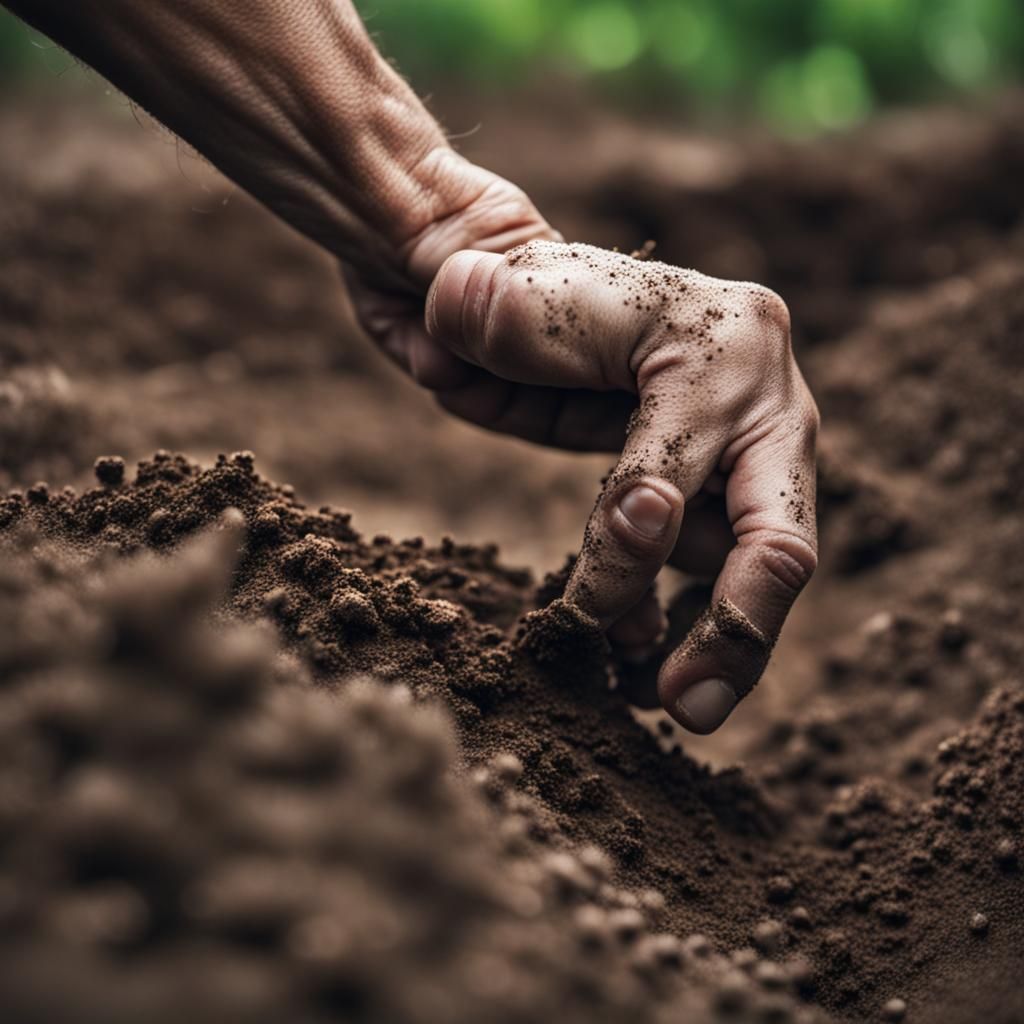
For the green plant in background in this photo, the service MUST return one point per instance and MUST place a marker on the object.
(17, 54)
(802, 65)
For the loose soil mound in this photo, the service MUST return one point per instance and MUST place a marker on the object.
(257, 766)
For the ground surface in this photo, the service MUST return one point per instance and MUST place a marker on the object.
(180, 796)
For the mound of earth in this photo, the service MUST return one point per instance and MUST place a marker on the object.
(169, 785)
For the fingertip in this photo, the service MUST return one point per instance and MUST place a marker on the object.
(631, 534)
(703, 706)
(717, 665)
(457, 300)
(647, 517)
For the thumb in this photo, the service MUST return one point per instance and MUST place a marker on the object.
(559, 315)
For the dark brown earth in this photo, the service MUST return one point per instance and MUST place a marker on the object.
(258, 765)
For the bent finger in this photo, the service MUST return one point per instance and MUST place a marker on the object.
(770, 498)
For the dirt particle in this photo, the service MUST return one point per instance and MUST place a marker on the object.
(894, 1010)
(780, 889)
(769, 936)
(38, 494)
(109, 470)
(1006, 855)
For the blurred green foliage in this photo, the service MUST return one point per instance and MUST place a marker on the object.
(802, 65)
(16, 51)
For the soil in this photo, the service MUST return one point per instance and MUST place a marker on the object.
(259, 765)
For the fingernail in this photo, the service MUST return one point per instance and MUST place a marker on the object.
(706, 705)
(647, 511)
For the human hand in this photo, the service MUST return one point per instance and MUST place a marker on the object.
(557, 342)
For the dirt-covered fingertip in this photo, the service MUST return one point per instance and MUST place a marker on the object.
(721, 660)
(631, 533)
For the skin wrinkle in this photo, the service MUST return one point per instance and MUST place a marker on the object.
(789, 570)
(296, 157)
(426, 177)
(756, 433)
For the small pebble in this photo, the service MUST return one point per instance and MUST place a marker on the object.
(109, 470)
(38, 494)
(800, 918)
(953, 633)
(1006, 853)
(507, 768)
(733, 992)
(746, 959)
(592, 926)
(697, 946)
(895, 1009)
(626, 924)
(771, 975)
(768, 936)
(596, 861)
(652, 903)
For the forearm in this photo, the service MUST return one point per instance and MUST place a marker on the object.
(289, 98)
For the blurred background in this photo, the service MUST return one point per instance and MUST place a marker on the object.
(801, 66)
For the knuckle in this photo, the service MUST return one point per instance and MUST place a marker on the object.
(772, 308)
(789, 560)
(437, 165)
(757, 334)
(501, 208)
(770, 335)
